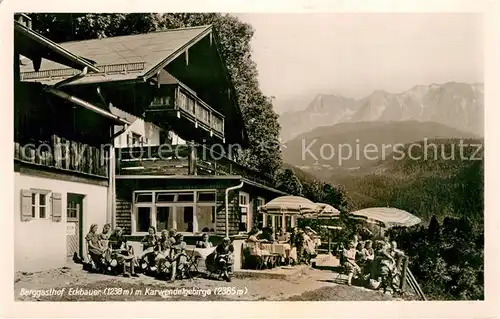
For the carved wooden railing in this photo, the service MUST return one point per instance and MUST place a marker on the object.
(64, 155)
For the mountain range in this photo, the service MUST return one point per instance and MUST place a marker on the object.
(457, 105)
(329, 150)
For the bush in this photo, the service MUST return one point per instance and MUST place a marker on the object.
(447, 259)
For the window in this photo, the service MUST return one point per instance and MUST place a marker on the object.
(288, 221)
(205, 211)
(185, 198)
(39, 204)
(269, 220)
(143, 219)
(163, 218)
(165, 197)
(133, 139)
(245, 221)
(72, 210)
(185, 211)
(206, 197)
(261, 216)
(144, 198)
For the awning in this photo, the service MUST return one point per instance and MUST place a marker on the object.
(386, 217)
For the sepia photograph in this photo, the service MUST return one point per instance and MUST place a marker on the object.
(211, 156)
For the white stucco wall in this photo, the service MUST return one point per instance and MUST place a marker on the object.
(40, 244)
(141, 128)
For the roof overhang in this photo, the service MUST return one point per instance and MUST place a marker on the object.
(35, 46)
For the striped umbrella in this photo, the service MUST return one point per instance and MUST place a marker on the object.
(386, 216)
(323, 211)
(289, 205)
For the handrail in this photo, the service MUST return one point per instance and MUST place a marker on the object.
(408, 278)
(67, 72)
(207, 160)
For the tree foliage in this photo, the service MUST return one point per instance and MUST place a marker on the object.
(447, 259)
(234, 37)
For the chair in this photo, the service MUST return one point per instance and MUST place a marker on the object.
(218, 271)
(192, 264)
(343, 269)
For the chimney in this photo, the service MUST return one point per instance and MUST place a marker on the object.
(24, 19)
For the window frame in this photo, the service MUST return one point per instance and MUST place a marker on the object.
(173, 205)
(247, 207)
(35, 207)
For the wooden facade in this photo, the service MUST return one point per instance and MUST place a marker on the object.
(128, 186)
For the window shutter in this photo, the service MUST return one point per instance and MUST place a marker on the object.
(26, 205)
(56, 207)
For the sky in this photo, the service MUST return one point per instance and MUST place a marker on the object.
(299, 55)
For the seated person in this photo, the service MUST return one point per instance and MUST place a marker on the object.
(104, 236)
(178, 257)
(95, 249)
(349, 258)
(384, 266)
(253, 235)
(171, 233)
(122, 252)
(164, 244)
(266, 234)
(224, 256)
(396, 254)
(368, 251)
(150, 247)
(360, 257)
(204, 242)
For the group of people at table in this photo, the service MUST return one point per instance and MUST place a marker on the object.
(377, 267)
(162, 254)
(268, 248)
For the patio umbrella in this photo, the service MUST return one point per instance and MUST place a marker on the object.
(386, 216)
(289, 205)
(323, 211)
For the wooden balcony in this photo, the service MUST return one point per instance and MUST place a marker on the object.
(64, 155)
(182, 160)
(177, 106)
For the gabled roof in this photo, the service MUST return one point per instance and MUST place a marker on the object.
(29, 42)
(141, 53)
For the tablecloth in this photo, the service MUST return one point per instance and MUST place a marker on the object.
(202, 252)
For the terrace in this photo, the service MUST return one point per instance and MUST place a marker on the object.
(177, 106)
(182, 160)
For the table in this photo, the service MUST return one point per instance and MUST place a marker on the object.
(201, 252)
(283, 249)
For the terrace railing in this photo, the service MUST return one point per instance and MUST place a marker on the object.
(182, 160)
(64, 155)
(121, 68)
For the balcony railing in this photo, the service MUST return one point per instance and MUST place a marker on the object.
(186, 104)
(182, 160)
(121, 68)
(64, 155)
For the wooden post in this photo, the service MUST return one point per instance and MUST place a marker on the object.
(192, 160)
(117, 158)
(404, 273)
(329, 242)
